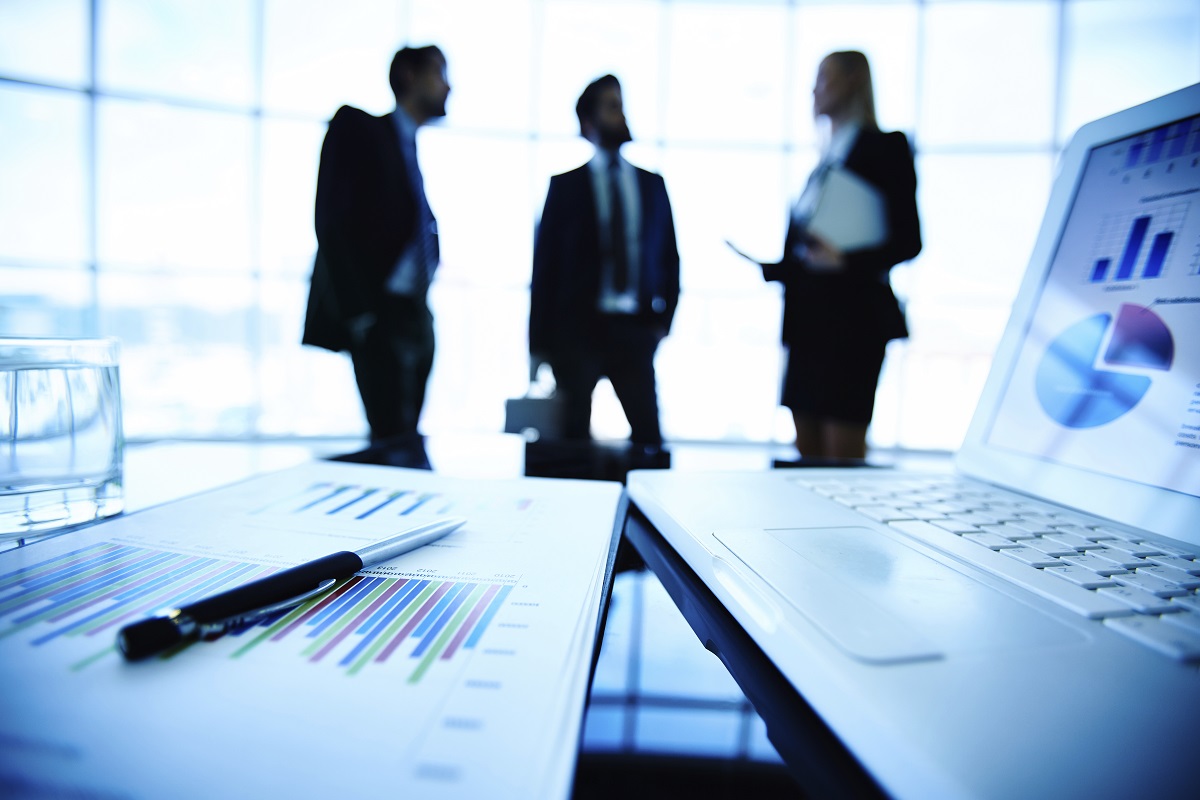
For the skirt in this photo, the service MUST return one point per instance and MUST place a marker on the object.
(833, 380)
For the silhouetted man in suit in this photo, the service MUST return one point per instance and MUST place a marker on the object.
(605, 274)
(377, 246)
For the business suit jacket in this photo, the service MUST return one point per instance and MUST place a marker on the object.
(366, 214)
(567, 263)
(856, 302)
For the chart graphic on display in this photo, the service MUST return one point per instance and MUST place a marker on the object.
(1136, 246)
(1100, 368)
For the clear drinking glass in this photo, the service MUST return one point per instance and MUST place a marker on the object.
(61, 441)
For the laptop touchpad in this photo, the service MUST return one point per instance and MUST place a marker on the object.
(884, 602)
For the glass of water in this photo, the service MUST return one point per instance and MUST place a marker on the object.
(61, 442)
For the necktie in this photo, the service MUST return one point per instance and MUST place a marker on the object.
(620, 248)
(426, 235)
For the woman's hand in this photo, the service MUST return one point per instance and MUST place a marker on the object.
(822, 256)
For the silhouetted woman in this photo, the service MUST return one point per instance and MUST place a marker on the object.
(839, 311)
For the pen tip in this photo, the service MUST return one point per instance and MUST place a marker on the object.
(144, 639)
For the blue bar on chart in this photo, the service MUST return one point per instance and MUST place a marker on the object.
(391, 498)
(367, 620)
(1133, 248)
(1179, 137)
(1158, 254)
(1135, 154)
(91, 591)
(1156, 146)
(1100, 270)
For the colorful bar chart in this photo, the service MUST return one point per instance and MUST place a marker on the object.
(1123, 244)
(353, 502)
(364, 620)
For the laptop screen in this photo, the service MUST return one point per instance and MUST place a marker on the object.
(1107, 377)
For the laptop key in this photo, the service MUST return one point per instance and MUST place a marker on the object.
(1186, 619)
(1043, 521)
(1008, 532)
(1071, 540)
(1027, 555)
(1176, 576)
(1079, 530)
(1117, 533)
(1190, 554)
(1189, 601)
(1101, 566)
(1080, 576)
(990, 540)
(1175, 562)
(1050, 547)
(1118, 558)
(1026, 527)
(978, 518)
(1135, 549)
(1138, 600)
(1153, 584)
(882, 513)
(954, 526)
(920, 512)
(1081, 601)
(1173, 640)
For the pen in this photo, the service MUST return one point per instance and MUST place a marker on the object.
(255, 600)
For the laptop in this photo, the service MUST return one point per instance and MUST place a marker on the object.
(1026, 624)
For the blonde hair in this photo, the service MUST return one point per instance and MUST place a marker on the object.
(854, 65)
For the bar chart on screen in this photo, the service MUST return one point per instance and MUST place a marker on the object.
(1137, 246)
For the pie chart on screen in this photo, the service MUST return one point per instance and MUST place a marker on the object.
(1082, 383)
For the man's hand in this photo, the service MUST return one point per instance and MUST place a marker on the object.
(535, 361)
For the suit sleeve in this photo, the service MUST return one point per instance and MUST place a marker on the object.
(890, 168)
(543, 287)
(787, 266)
(339, 218)
(670, 264)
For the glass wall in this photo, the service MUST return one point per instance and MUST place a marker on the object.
(158, 161)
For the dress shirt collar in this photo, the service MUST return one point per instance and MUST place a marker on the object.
(406, 129)
(840, 143)
(603, 158)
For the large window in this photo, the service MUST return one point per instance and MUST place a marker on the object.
(158, 161)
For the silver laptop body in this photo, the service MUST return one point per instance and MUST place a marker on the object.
(1020, 627)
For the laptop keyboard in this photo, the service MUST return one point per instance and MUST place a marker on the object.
(1146, 590)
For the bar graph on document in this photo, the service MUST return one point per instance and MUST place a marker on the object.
(355, 502)
(1136, 246)
(442, 668)
(365, 620)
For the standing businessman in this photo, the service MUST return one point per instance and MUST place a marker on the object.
(377, 246)
(605, 274)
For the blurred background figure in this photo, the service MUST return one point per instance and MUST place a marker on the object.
(378, 248)
(605, 275)
(839, 310)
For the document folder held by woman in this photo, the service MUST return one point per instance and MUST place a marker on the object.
(850, 213)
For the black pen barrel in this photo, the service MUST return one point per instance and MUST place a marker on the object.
(276, 588)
